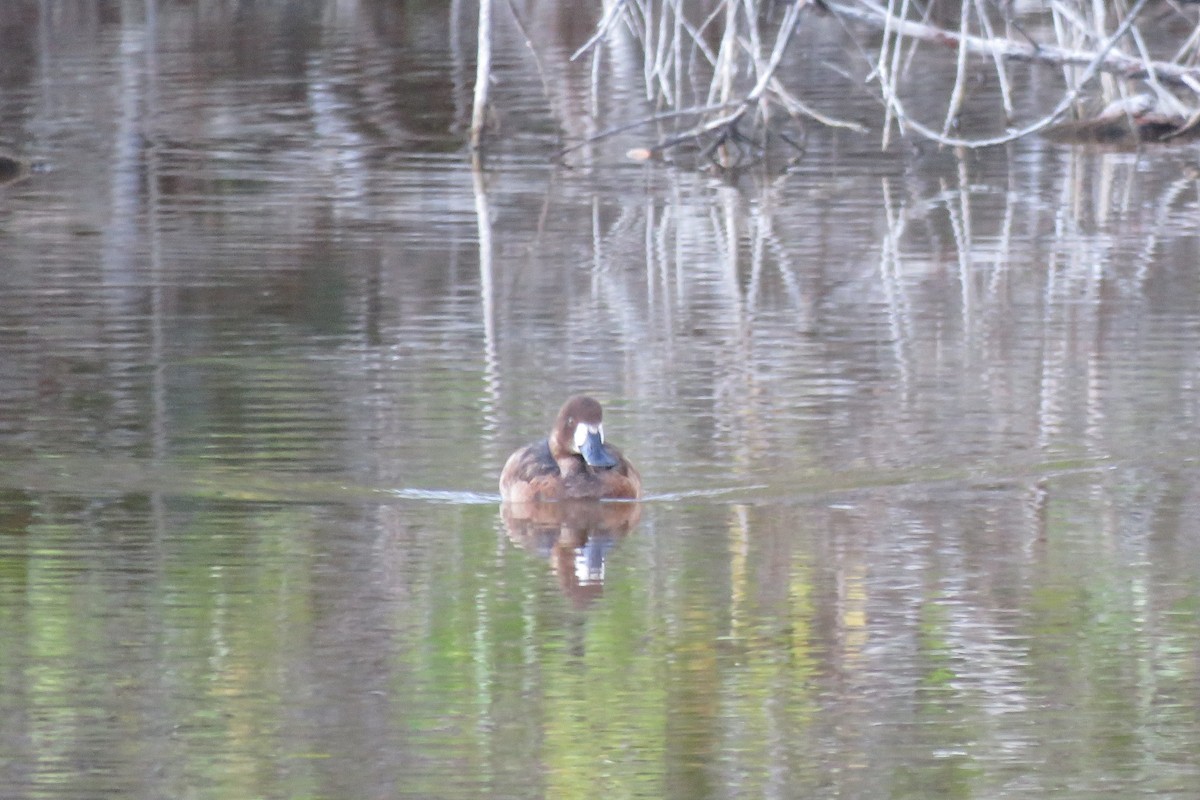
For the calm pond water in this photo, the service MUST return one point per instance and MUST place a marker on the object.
(920, 435)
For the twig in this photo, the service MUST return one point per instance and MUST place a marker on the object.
(662, 117)
(795, 105)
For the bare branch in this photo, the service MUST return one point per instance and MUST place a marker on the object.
(1113, 62)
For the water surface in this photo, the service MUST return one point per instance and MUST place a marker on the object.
(919, 434)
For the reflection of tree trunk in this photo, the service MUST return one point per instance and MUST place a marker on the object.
(487, 294)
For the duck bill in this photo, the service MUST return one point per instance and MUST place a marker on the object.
(595, 453)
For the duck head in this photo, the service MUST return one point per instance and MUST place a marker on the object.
(579, 430)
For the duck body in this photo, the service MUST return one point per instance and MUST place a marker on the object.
(572, 463)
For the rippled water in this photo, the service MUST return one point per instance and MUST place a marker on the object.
(919, 434)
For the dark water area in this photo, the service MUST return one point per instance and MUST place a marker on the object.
(918, 430)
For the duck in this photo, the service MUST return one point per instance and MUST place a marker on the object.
(572, 463)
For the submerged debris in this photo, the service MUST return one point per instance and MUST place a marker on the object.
(1131, 120)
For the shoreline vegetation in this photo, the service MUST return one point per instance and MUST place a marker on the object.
(723, 79)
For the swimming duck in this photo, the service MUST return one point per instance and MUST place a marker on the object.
(572, 463)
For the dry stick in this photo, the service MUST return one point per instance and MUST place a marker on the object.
(890, 88)
(1190, 45)
(1069, 98)
(483, 69)
(958, 93)
(754, 51)
(610, 19)
(637, 23)
(792, 104)
(795, 105)
(912, 48)
(537, 59)
(1070, 26)
(1161, 94)
(1194, 119)
(663, 54)
(1057, 19)
(887, 79)
(754, 34)
(787, 29)
(665, 115)
(1098, 62)
(677, 68)
(647, 38)
(997, 61)
(721, 86)
(698, 34)
(1109, 88)
(766, 79)
(1118, 63)
(655, 50)
(1071, 16)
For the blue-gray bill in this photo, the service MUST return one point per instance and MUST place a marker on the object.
(594, 452)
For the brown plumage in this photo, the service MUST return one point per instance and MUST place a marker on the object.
(572, 463)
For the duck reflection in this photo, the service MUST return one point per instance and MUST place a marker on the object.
(576, 537)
